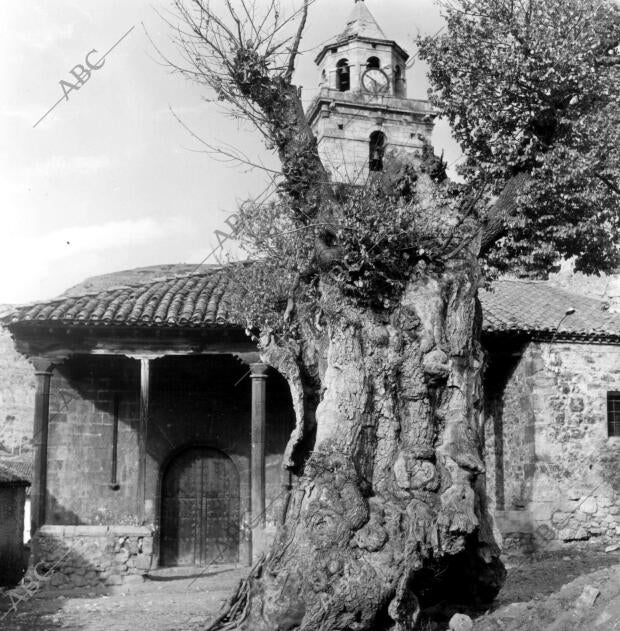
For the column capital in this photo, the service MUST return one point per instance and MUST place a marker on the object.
(144, 356)
(43, 365)
(258, 370)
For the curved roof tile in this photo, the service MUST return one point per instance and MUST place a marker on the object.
(198, 300)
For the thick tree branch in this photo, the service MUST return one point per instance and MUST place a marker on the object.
(505, 206)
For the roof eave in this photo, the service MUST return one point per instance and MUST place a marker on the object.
(405, 55)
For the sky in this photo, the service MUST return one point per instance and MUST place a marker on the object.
(110, 180)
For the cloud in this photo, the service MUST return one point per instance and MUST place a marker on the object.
(74, 240)
(24, 260)
(56, 166)
(38, 31)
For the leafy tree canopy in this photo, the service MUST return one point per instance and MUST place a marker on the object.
(533, 86)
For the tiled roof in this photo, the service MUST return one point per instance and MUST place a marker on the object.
(20, 468)
(9, 478)
(202, 299)
(196, 300)
(536, 307)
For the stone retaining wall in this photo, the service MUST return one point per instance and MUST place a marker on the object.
(91, 556)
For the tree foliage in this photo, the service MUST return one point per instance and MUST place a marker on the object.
(365, 297)
(534, 86)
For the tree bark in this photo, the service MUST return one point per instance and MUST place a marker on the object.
(391, 494)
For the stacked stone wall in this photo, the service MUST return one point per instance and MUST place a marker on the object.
(17, 387)
(553, 471)
(93, 556)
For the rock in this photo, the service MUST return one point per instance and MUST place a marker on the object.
(122, 557)
(588, 597)
(577, 404)
(589, 506)
(461, 622)
(612, 548)
(143, 562)
(114, 579)
(78, 581)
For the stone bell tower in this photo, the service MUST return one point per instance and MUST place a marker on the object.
(362, 109)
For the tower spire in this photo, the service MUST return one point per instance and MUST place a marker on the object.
(361, 23)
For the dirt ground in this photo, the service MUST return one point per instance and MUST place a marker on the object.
(168, 601)
(559, 592)
(541, 593)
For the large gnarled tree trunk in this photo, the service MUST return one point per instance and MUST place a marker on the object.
(390, 506)
(389, 510)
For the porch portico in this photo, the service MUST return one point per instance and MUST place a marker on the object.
(172, 431)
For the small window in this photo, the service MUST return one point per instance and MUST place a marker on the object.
(399, 82)
(343, 76)
(373, 62)
(613, 413)
(377, 151)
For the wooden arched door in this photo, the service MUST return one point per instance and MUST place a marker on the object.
(200, 509)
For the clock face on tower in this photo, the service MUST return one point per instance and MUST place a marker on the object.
(375, 81)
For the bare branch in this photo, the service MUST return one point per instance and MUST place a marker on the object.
(295, 48)
(609, 183)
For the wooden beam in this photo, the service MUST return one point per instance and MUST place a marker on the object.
(48, 341)
(43, 372)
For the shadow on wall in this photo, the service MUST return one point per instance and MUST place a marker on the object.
(19, 611)
(92, 450)
(58, 561)
(501, 370)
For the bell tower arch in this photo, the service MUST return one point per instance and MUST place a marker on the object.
(362, 98)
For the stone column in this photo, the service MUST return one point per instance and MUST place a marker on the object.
(145, 386)
(258, 374)
(43, 372)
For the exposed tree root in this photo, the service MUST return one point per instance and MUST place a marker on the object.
(235, 610)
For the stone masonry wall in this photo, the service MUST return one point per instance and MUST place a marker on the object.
(90, 556)
(603, 287)
(83, 392)
(553, 472)
(194, 401)
(344, 139)
(17, 387)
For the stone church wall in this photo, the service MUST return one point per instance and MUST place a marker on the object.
(553, 472)
(604, 287)
(93, 527)
(17, 387)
